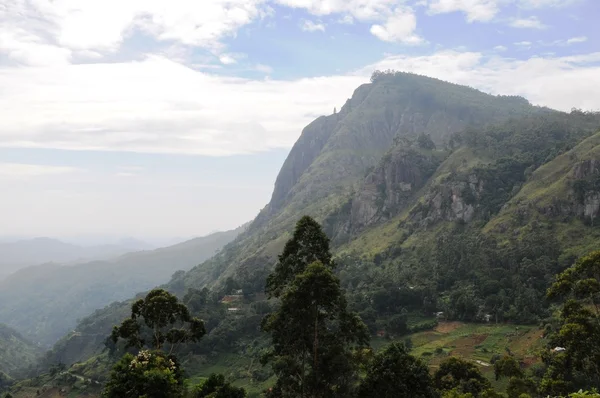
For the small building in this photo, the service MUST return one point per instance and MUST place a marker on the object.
(559, 349)
(233, 310)
(381, 333)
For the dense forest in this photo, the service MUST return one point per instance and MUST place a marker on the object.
(427, 240)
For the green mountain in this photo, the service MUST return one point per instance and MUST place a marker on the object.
(44, 302)
(437, 198)
(15, 353)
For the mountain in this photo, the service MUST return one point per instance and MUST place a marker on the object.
(15, 353)
(437, 198)
(328, 163)
(15, 255)
(46, 301)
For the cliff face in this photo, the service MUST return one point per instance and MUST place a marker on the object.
(328, 163)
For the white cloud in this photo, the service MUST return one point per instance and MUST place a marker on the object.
(545, 3)
(523, 44)
(391, 19)
(579, 39)
(26, 171)
(486, 10)
(475, 10)
(528, 23)
(103, 25)
(157, 105)
(230, 58)
(310, 26)
(346, 20)
(399, 27)
(500, 48)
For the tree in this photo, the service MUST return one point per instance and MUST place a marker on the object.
(165, 319)
(308, 244)
(519, 386)
(313, 336)
(396, 373)
(507, 367)
(216, 387)
(578, 330)
(456, 373)
(152, 373)
(149, 374)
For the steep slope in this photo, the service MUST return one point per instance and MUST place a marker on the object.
(15, 352)
(46, 301)
(563, 196)
(329, 161)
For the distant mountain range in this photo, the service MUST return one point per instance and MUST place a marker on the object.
(45, 301)
(15, 255)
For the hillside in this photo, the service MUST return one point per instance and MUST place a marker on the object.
(15, 353)
(329, 161)
(421, 186)
(46, 301)
(19, 254)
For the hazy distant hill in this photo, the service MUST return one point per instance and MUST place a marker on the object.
(45, 301)
(22, 253)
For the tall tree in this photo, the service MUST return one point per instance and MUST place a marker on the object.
(156, 320)
(166, 320)
(308, 244)
(578, 330)
(314, 336)
(395, 373)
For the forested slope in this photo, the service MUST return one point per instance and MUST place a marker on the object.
(46, 301)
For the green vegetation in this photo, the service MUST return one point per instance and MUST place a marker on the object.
(16, 355)
(46, 302)
(446, 213)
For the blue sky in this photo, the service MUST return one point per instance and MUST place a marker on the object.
(154, 118)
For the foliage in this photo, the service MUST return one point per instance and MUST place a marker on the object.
(150, 374)
(507, 367)
(312, 331)
(395, 373)
(308, 244)
(456, 373)
(161, 312)
(216, 387)
(578, 331)
(313, 334)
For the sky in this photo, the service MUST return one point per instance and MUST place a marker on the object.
(160, 119)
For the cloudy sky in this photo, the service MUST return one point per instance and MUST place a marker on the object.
(156, 118)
